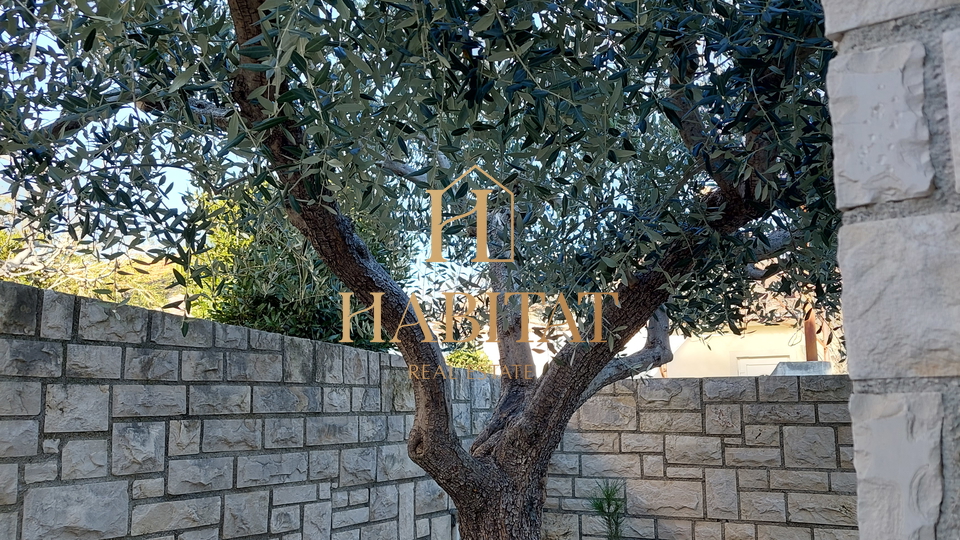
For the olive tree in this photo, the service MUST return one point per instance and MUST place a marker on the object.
(671, 151)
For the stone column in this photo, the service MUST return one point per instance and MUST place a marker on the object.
(894, 92)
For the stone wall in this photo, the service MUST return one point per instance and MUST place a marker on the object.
(767, 458)
(113, 424)
(894, 92)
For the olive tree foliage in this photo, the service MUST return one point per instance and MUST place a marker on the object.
(674, 151)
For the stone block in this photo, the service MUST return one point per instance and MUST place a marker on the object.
(147, 489)
(610, 413)
(380, 531)
(671, 422)
(798, 480)
(285, 519)
(366, 399)
(951, 69)
(349, 518)
(826, 388)
(227, 336)
(762, 435)
(248, 366)
(836, 534)
(708, 530)
(820, 509)
(809, 447)
(567, 464)
(174, 515)
(317, 520)
(184, 437)
(557, 526)
(752, 479)
(329, 360)
(270, 469)
(288, 399)
(670, 498)
(19, 398)
(880, 136)
(198, 475)
(693, 450)
(8, 524)
(843, 482)
(737, 389)
(109, 322)
(84, 459)
(358, 466)
(641, 442)
(201, 365)
(150, 365)
(393, 463)
(722, 419)
(881, 293)
(294, 494)
(775, 532)
(170, 329)
(332, 430)
(219, 400)
(232, 435)
(42, 471)
(266, 341)
(653, 465)
(673, 529)
(93, 361)
(373, 428)
(131, 400)
(590, 442)
(297, 360)
(19, 438)
(56, 321)
(611, 465)
(336, 400)
(21, 358)
(324, 464)
(18, 312)
(833, 413)
(397, 392)
(201, 534)
(76, 407)
(355, 364)
(740, 531)
(900, 484)
(669, 394)
(801, 413)
(429, 498)
(283, 433)
(246, 514)
(778, 388)
(752, 457)
(721, 488)
(8, 483)
(64, 512)
(762, 506)
(842, 15)
(138, 448)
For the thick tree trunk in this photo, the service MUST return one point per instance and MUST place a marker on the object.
(513, 513)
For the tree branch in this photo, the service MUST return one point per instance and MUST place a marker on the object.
(655, 353)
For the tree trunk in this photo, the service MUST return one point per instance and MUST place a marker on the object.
(513, 513)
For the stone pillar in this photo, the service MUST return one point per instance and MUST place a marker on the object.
(894, 92)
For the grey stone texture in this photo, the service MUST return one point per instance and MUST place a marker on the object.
(881, 292)
(757, 452)
(229, 433)
(881, 139)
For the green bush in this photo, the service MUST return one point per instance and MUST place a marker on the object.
(470, 358)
